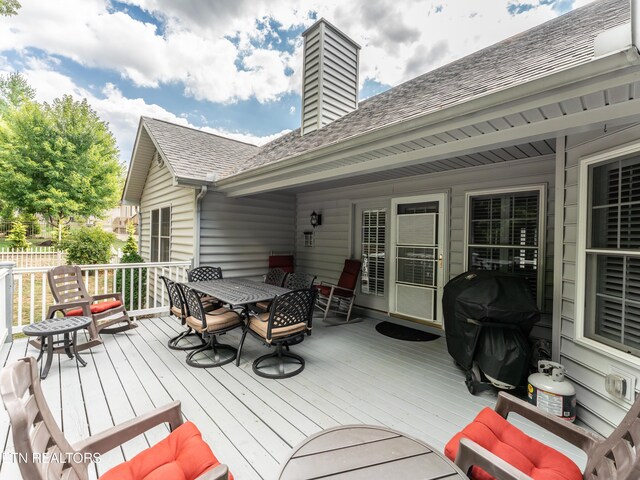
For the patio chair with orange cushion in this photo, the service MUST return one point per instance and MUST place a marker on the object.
(73, 299)
(341, 297)
(45, 454)
(491, 447)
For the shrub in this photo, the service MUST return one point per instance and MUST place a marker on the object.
(18, 235)
(31, 223)
(88, 246)
(123, 277)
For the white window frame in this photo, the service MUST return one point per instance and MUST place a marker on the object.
(541, 188)
(377, 210)
(581, 252)
(159, 230)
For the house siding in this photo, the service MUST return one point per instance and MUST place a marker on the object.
(587, 366)
(159, 192)
(333, 240)
(237, 234)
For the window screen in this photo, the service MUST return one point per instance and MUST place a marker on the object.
(161, 235)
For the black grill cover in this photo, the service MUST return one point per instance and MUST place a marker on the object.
(505, 310)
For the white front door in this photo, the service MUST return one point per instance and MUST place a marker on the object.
(418, 257)
(371, 232)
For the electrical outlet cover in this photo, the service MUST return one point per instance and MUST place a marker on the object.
(630, 394)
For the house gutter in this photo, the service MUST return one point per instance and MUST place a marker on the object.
(533, 92)
(196, 226)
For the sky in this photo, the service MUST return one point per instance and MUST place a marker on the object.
(233, 67)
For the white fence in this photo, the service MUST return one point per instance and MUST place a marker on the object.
(142, 290)
(33, 256)
(6, 303)
(39, 229)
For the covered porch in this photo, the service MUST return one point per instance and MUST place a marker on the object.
(354, 375)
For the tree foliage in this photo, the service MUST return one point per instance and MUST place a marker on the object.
(88, 246)
(59, 160)
(9, 7)
(128, 282)
(14, 91)
(18, 235)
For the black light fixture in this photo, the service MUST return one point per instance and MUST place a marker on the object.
(315, 219)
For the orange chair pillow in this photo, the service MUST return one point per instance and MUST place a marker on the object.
(95, 308)
(183, 455)
(493, 432)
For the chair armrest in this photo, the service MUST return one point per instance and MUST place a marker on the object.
(471, 454)
(119, 434)
(104, 296)
(61, 307)
(221, 472)
(569, 432)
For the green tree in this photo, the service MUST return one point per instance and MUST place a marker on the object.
(88, 246)
(14, 91)
(126, 282)
(9, 7)
(31, 224)
(18, 235)
(59, 160)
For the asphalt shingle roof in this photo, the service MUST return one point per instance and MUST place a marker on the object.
(195, 154)
(556, 45)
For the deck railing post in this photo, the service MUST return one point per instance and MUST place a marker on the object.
(6, 268)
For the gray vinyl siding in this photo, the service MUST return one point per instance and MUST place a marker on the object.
(237, 234)
(159, 192)
(586, 366)
(330, 79)
(333, 240)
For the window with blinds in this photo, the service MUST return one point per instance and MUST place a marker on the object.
(612, 258)
(161, 234)
(504, 229)
(374, 225)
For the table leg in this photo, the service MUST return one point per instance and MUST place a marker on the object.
(42, 345)
(75, 350)
(67, 345)
(44, 372)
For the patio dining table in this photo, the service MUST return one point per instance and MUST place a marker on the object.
(238, 292)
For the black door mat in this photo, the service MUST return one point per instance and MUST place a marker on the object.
(400, 332)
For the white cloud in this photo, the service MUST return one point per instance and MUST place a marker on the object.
(194, 49)
(122, 113)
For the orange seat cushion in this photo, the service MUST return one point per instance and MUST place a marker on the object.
(95, 308)
(528, 455)
(183, 455)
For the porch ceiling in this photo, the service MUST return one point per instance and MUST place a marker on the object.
(517, 129)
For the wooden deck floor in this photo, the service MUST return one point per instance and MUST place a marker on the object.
(353, 375)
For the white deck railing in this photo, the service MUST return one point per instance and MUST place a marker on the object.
(143, 292)
(6, 303)
(33, 256)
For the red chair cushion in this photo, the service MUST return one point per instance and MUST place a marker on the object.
(528, 455)
(285, 262)
(95, 308)
(350, 272)
(183, 455)
(325, 290)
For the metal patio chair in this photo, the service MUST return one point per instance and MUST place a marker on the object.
(178, 308)
(616, 457)
(285, 324)
(73, 299)
(209, 325)
(203, 274)
(341, 297)
(275, 276)
(43, 452)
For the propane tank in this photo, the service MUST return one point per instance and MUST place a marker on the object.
(550, 391)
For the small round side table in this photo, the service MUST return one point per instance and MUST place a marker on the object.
(48, 329)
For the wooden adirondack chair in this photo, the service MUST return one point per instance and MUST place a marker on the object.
(73, 299)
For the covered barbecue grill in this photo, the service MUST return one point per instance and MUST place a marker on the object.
(488, 316)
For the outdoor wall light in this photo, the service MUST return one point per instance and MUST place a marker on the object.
(315, 219)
